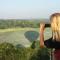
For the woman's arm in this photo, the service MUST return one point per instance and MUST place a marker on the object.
(42, 26)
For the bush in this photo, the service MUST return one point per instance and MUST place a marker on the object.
(41, 54)
(10, 52)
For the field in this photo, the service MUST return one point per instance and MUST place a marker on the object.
(22, 36)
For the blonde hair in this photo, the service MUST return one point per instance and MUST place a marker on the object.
(55, 26)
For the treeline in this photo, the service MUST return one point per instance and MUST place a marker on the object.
(11, 52)
(19, 23)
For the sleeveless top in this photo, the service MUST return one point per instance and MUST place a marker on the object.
(49, 43)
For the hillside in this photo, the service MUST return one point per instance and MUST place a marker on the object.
(23, 36)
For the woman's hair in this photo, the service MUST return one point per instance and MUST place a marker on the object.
(55, 26)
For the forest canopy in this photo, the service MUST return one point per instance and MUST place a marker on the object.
(20, 23)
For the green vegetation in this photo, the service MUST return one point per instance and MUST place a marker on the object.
(11, 52)
(18, 23)
(23, 36)
(19, 40)
(12, 23)
(15, 44)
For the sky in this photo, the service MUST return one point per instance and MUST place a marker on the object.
(28, 9)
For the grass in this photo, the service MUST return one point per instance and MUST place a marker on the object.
(17, 35)
(14, 29)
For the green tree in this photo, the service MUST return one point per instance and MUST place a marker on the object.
(41, 54)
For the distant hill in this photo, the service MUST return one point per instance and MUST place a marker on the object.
(37, 20)
(11, 23)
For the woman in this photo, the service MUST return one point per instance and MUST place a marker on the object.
(54, 41)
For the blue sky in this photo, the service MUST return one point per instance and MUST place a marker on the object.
(27, 9)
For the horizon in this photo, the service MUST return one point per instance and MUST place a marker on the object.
(47, 21)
